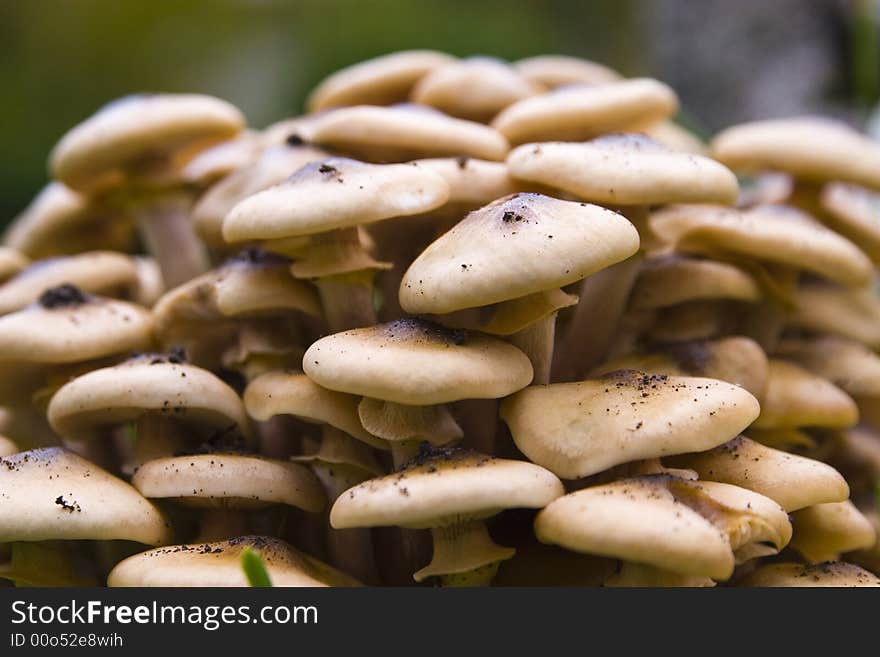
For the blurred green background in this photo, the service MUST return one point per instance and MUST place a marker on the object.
(730, 61)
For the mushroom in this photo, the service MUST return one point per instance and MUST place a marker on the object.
(823, 531)
(852, 313)
(510, 260)
(677, 138)
(11, 263)
(219, 564)
(852, 211)
(560, 70)
(832, 574)
(216, 162)
(130, 152)
(624, 416)
(451, 492)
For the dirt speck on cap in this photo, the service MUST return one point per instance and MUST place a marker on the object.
(62, 296)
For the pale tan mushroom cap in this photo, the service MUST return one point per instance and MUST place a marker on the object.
(579, 429)
(293, 393)
(51, 493)
(380, 81)
(472, 182)
(230, 480)
(846, 363)
(796, 397)
(404, 132)
(96, 272)
(850, 313)
(792, 481)
(809, 148)
(773, 233)
(11, 262)
(413, 362)
(577, 112)
(854, 212)
(677, 138)
(824, 531)
(219, 565)
(148, 383)
(668, 280)
(7, 446)
(222, 159)
(559, 70)
(828, 574)
(624, 169)
(438, 490)
(335, 193)
(132, 128)
(515, 246)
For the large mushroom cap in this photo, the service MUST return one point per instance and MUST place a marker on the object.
(445, 487)
(794, 482)
(335, 193)
(409, 361)
(824, 531)
(51, 493)
(559, 70)
(810, 148)
(404, 132)
(128, 130)
(772, 233)
(831, 574)
(380, 81)
(624, 169)
(579, 429)
(145, 384)
(219, 564)
(850, 313)
(577, 112)
(515, 246)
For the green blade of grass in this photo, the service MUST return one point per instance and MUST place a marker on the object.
(254, 569)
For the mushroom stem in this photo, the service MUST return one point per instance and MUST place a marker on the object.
(347, 300)
(403, 452)
(405, 423)
(169, 237)
(464, 555)
(156, 435)
(765, 321)
(220, 523)
(536, 341)
(636, 574)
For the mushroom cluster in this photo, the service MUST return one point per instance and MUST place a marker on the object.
(465, 322)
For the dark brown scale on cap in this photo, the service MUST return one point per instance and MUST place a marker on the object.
(62, 296)
(294, 140)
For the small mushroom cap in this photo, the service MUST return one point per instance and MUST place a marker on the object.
(476, 88)
(855, 213)
(808, 148)
(849, 313)
(515, 246)
(217, 161)
(293, 393)
(230, 480)
(409, 361)
(677, 138)
(443, 487)
(335, 193)
(11, 262)
(380, 81)
(124, 132)
(622, 417)
(65, 326)
(792, 481)
(796, 397)
(824, 531)
(219, 564)
(96, 272)
(472, 182)
(145, 384)
(577, 112)
(772, 233)
(624, 169)
(831, 574)
(846, 363)
(51, 493)
(7, 446)
(560, 70)
(404, 132)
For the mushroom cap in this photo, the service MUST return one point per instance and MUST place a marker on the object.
(824, 531)
(335, 193)
(794, 482)
(849, 313)
(7, 446)
(772, 233)
(379, 81)
(127, 130)
(219, 564)
(515, 246)
(51, 493)
(579, 429)
(831, 574)
(624, 169)
(230, 480)
(808, 148)
(293, 393)
(149, 383)
(795, 397)
(668, 280)
(11, 262)
(443, 487)
(409, 361)
(559, 70)
(855, 213)
(221, 159)
(472, 182)
(677, 138)
(65, 326)
(95, 272)
(846, 363)
(583, 111)
(404, 132)
(475, 88)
